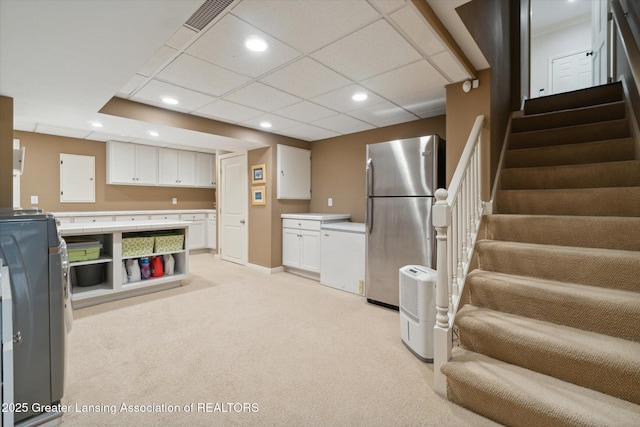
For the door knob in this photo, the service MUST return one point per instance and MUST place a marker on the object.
(242, 221)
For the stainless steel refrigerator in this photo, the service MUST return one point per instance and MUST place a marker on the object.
(402, 177)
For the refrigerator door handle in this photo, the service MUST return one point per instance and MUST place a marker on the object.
(369, 185)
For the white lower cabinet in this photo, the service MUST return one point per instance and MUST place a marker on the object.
(343, 256)
(197, 230)
(211, 231)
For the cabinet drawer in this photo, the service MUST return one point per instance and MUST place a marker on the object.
(166, 216)
(102, 218)
(302, 224)
(132, 218)
(192, 217)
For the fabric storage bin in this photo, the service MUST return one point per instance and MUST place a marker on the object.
(83, 250)
(137, 246)
(169, 243)
(87, 275)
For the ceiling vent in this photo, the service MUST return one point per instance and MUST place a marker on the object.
(207, 13)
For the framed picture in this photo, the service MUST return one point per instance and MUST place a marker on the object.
(258, 174)
(258, 196)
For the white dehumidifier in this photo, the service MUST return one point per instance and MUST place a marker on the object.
(418, 310)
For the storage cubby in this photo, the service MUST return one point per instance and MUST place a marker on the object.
(85, 273)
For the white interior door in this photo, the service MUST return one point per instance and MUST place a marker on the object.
(600, 31)
(571, 72)
(234, 244)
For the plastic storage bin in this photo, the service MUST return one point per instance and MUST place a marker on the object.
(84, 250)
(137, 246)
(169, 243)
(87, 275)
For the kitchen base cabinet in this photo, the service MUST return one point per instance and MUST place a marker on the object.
(115, 284)
(211, 231)
(197, 230)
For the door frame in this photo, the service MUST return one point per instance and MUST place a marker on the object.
(245, 205)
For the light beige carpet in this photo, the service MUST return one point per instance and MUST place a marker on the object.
(270, 350)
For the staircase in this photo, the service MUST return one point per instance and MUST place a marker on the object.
(551, 331)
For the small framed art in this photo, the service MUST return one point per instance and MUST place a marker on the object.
(258, 174)
(258, 196)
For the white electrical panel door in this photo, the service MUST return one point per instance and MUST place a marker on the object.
(77, 178)
(294, 173)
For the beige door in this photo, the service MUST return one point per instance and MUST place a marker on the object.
(233, 208)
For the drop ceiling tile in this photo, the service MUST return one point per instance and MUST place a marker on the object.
(195, 74)
(153, 92)
(228, 111)
(134, 83)
(372, 50)
(305, 111)
(450, 66)
(423, 77)
(277, 122)
(424, 107)
(60, 131)
(181, 37)
(223, 45)
(262, 97)
(305, 78)
(416, 27)
(388, 6)
(343, 124)
(308, 132)
(159, 59)
(306, 25)
(384, 114)
(340, 100)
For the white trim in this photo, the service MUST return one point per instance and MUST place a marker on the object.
(266, 270)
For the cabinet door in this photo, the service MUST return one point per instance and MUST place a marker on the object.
(310, 257)
(121, 163)
(187, 168)
(167, 166)
(205, 170)
(211, 233)
(146, 165)
(294, 172)
(197, 235)
(291, 247)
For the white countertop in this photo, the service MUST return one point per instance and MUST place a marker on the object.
(350, 227)
(106, 227)
(316, 216)
(116, 213)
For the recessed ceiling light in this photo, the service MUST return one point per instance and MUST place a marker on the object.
(256, 44)
(360, 96)
(97, 124)
(170, 101)
(153, 133)
(265, 125)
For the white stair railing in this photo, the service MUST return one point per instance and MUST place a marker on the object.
(456, 217)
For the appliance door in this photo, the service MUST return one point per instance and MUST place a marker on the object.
(399, 233)
(405, 167)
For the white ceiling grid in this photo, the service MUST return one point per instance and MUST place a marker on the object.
(320, 53)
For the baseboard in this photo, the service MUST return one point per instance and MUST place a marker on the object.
(265, 270)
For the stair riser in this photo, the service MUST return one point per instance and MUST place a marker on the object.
(612, 174)
(605, 233)
(619, 201)
(614, 316)
(571, 154)
(576, 99)
(598, 113)
(606, 372)
(603, 270)
(570, 135)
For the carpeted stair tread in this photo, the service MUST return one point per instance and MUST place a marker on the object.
(607, 268)
(570, 134)
(575, 99)
(588, 175)
(608, 150)
(518, 397)
(610, 201)
(606, 232)
(607, 364)
(556, 119)
(607, 311)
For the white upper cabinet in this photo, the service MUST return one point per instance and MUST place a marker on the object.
(131, 164)
(205, 170)
(294, 172)
(176, 167)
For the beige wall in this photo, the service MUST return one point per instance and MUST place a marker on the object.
(6, 152)
(338, 165)
(462, 110)
(41, 178)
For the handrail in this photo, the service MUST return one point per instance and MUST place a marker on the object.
(628, 42)
(456, 218)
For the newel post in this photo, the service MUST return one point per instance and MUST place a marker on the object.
(441, 331)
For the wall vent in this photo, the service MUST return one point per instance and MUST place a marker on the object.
(206, 13)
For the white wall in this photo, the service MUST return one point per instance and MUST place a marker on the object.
(574, 37)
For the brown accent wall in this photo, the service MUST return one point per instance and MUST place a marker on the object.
(6, 152)
(462, 110)
(41, 178)
(338, 165)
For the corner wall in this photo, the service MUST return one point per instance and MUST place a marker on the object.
(6, 152)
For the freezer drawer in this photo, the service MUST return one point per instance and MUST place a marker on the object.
(342, 261)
